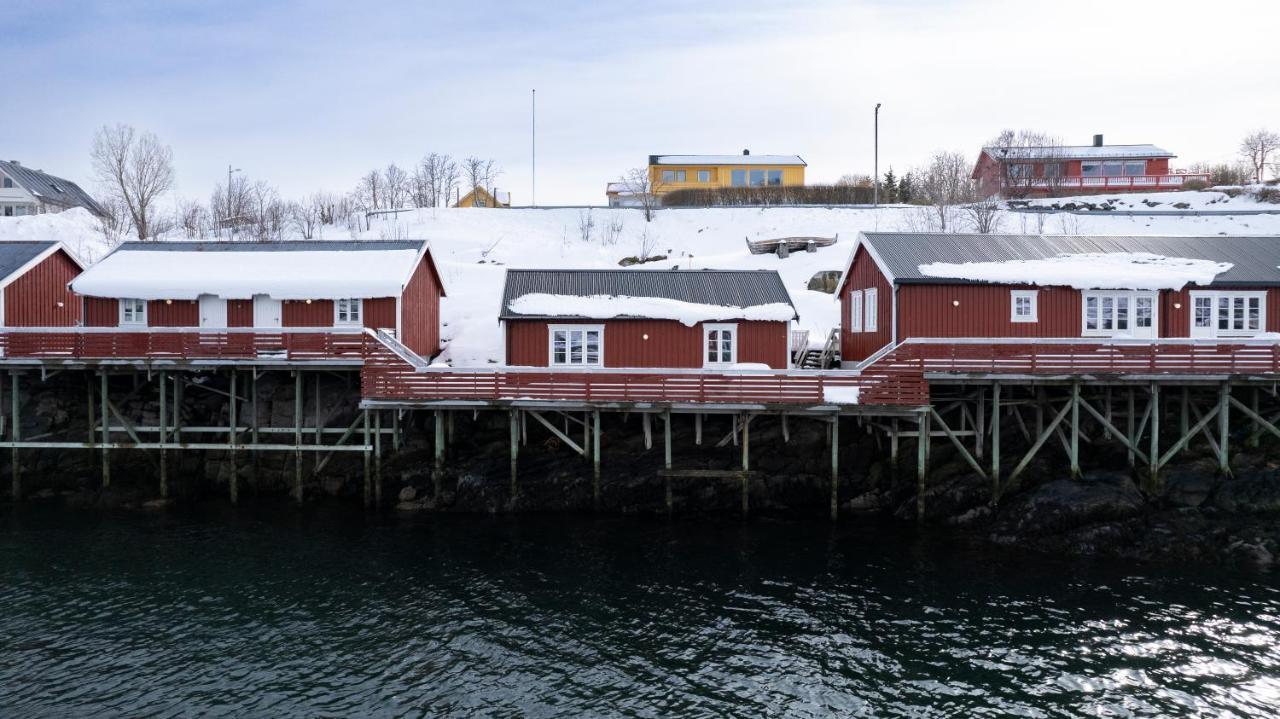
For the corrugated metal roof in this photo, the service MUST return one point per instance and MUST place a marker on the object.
(1078, 152)
(726, 160)
(1255, 260)
(13, 255)
(731, 288)
(51, 189)
(286, 246)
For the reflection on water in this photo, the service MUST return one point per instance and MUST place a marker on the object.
(274, 612)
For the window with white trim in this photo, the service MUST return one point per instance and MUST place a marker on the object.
(719, 345)
(348, 311)
(855, 311)
(577, 345)
(869, 310)
(1024, 306)
(1109, 314)
(1228, 314)
(133, 312)
(704, 175)
(674, 175)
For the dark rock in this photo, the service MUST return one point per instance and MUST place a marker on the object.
(1189, 485)
(1250, 491)
(408, 494)
(1253, 554)
(1064, 504)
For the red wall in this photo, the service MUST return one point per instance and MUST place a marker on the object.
(239, 313)
(101, 312)
(864, 274)
(379, 313)
(297, 313)
(929, 311)
(32, 300)
(670, 344)
(177, 313)
(420, 309)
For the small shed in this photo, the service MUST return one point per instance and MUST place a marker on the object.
(646, 318)
(378, 284)
(34, 278)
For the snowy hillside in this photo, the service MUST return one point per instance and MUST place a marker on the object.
(473, 247)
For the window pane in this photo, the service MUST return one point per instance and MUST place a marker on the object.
(668, 176)
(559, 344)
(575, 347)
(757, 178)
(738, 178)
(1255, 313)
(1138, 167)
(1204, 312)
(1224, 313)
(1113, 169)
(704, 175)
(1142, 312)
(1091, 169)
(1122, 313)
(775, 177)
(593, 347)
(1108, 313)
(1091, 313)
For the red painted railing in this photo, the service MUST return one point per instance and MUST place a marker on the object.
(76, 343)
(1083, 357)
(1128, 182)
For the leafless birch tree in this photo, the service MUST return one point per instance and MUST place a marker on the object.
(1256, 148)
(637, 182)
(134, 168)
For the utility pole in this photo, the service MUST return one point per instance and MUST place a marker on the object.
(875, 177)
(533, 146)
(230, 213)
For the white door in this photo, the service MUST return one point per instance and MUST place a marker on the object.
(213, 311)
(267, 312)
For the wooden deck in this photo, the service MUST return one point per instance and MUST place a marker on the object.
(71, 344)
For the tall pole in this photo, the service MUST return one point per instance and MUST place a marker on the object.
(533, 146)
(875, 177)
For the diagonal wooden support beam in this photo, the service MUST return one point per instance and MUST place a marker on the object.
(556, 431)
(734, 433)
(1202, 427)
(1044, 436)
(341, 441)
(1259, 420)
(1111, 428)
(1184, 440)
(964, 452)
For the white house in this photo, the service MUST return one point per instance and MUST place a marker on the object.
(24, 191)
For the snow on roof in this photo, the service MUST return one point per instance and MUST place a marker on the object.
(602, 307)
(726, 160)
(1078, 152)
(503, 196)
(1088, 271)
(240, 270)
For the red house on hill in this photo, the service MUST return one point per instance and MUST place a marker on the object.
(34, 278)
(338, 286)
(900, 286)
(1076, 169)
(646, 318)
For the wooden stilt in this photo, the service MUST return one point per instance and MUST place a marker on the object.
(835, 466)
(1153, 454)
(377, 459)
(106, 431)
(746, 443)
(922, 463)
(297, 436)
(513, 420)
(1224, 426)
(178, 390)
(438, 471)
(666, 456)
(15, 471)
(995, 442)
(231, 439)
(1130, 419)
(395, 431)
(1255, 433)
(1075, 430)
(786, 431)
(586, 435)
(1184, 412)
(1106, 432)
(524, 429)
(893, 447)
(646, 423)
(319, 427)
(697, 429)
(980, 424)
(368, 460)
(164, 424)
(595, 457)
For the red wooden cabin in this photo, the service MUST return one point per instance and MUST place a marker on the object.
(646, 318)
(1076, 170)
(335, 286)
(900, 286)
(34, 278)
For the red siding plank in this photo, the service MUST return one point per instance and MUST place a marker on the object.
(650, 343)
(864, 274)
(420, 309)
(41, 298)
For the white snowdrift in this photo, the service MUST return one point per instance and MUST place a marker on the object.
(1088, 271)
(841, 395)
(76, 228)
(298, 275)
(603, 307)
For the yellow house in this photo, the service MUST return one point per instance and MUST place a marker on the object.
(668, 173)
(480, 197)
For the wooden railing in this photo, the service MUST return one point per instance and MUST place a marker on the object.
(90, 343)
(1127, 182)
(1071, 356)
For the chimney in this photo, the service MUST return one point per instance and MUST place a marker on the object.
(746, 152)
(1097, 140)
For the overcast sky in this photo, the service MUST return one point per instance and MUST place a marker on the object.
(309, 95)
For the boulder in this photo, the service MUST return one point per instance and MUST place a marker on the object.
(1065, 504)
(1250, 492)
(1190, 485)
(408, 494)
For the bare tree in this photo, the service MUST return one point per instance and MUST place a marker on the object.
(944, 184)
(230, 206)
(433, 180)
(193, 219)
(306, 217)
(134, 168)
(612, 230)
(586, 225)
(984, 215)
(369, 192)
(1029, 160)
(395, 182)
(479, 173)
(638, 183)
(1256, 148)
(270, 216)
(854, 180)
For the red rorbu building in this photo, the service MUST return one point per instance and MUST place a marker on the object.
(646, 318)
(1077, 169)
(376, 284)
(900, 286)
(34, 278)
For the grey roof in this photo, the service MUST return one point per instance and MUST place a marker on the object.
(50, 188)
(1255, 260)
(731, 288)
(285, 246)
(13, 255)
(726, 160)
(1078, 152)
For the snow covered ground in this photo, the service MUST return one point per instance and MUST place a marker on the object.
(473, 247)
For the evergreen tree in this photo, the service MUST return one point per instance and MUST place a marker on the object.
(905, 189)
(889, 187)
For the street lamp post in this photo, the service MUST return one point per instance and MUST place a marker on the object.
(875, 177)
(230, 213)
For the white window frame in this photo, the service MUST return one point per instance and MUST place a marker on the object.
(707, 329)
(139, 312)
(584, 329)
(345, 306)
(1214, 298)
(1033, 300)
(1132, 330)
(704, 175)
(870, 310)
(855, 311)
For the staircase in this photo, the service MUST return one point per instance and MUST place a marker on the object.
(811, 358)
